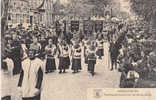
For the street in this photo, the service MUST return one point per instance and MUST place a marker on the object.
(70, 86)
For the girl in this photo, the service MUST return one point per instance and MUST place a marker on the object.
(91, 52)
(50, 53)
(76, 57)
(64, 61)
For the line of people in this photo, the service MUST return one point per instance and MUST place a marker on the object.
(68, 54)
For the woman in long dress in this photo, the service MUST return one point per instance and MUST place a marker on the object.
(91, 53)
(107, 54)
(50, 61)
(64, 60)
(76, 57)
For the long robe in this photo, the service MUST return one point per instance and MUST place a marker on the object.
(107, 58)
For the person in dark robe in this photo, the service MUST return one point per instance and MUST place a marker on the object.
(43, 43)
(114, 52)
(15, 54)
(28, 41)
(100, 51)
(69, 37)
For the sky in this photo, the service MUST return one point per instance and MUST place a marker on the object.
(124, 5)
(62, 1)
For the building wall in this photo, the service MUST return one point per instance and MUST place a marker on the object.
(34, 4)
(48, 16)
(21, 10)
(42, 17)
(18, 12)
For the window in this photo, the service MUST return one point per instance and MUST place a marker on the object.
(28, 19)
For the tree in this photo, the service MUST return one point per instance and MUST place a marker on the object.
(4, 14)
(82, 8)
(145, 8)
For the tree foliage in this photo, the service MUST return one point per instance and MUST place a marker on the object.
(4, 13)
(82, 8)
(145, 8)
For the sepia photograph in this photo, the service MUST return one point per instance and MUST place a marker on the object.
(77, 49)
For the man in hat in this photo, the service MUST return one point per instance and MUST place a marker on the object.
(114, 52)
(31, 77)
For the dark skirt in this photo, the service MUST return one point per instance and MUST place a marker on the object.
(64, 62)
(17, 65)
(6, 98)
(32, 98)
(91, 65)
(100, 52)
(76, 64)
(86, 60)
(50, 64)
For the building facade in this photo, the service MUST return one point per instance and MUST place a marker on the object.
(30, 12)
(35, 16)
(49, 17)
(18, 12)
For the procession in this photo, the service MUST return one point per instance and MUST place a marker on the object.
(33, 56)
